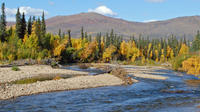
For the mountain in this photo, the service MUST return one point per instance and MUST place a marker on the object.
(94, 23)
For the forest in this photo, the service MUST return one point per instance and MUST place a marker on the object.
(30, 40)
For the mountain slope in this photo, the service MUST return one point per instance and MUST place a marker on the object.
(94, 23)
(91, 22)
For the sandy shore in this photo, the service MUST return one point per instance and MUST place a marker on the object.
(8, 75)
(80, 82)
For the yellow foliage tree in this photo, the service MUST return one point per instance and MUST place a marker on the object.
(192, 65)
(149, 52)
(184, 49)
(129, 50)
(88, 51)
(77, 43)
(123, 48)
(168, 51)
(54, 41)
(108, 53)
(171, 54)
(58, 50)
(162, 57)
(157, 55)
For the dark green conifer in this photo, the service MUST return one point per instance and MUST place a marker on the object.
(29, 25)
(18, 23)
(69, 38)
(3, 23)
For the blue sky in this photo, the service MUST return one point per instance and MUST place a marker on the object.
(132, 10)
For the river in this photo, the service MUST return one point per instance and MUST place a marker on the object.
(171, 95)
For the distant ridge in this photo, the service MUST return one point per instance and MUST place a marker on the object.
(94, 23)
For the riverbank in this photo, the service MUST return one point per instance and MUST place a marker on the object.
(73, 80)
(77, 80)
(8, 75)
(80, 82)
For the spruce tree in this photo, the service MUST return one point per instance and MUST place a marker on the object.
(38, 27)
(112, 36)
(29, 26)
(3, 23)
(18, 23)
(59, 32)
(33, 19)
(82, 33)
(23, 26)
(196, 43)
(86, 36)
(69, 38)
(184, 40)
(99, 51)
(107, 40)
(90, 38)
(43, 25)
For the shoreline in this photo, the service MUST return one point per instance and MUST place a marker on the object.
(76, 83)
(79, 80)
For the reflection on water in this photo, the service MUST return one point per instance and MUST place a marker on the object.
(176, 94)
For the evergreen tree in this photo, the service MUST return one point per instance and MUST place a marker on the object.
(82, 33)
(3, 23)
(112, 36)
(107, 40)
(38, 28)
(18, 23)
(86, 36)
(69, 38)
(59, 32)
(29, 26)
(33, 19)
(196, 43)
(184, 40)
(98, 39)
(132, 38)
(90, 38)
(23, 26)
(43, 25)
(38, 31)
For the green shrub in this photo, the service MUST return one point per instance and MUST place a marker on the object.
(43, 54)
(15, 68)
(177, 61)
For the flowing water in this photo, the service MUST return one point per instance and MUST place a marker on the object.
(176, 94)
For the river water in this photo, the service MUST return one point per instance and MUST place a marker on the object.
(146, 96)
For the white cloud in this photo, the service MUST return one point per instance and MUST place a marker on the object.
(156, 1)
(148, 21)
(27, 10)
(103, 10)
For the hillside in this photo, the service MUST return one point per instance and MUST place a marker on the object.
(93, 23)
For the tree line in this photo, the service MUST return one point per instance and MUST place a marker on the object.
(30, 40)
